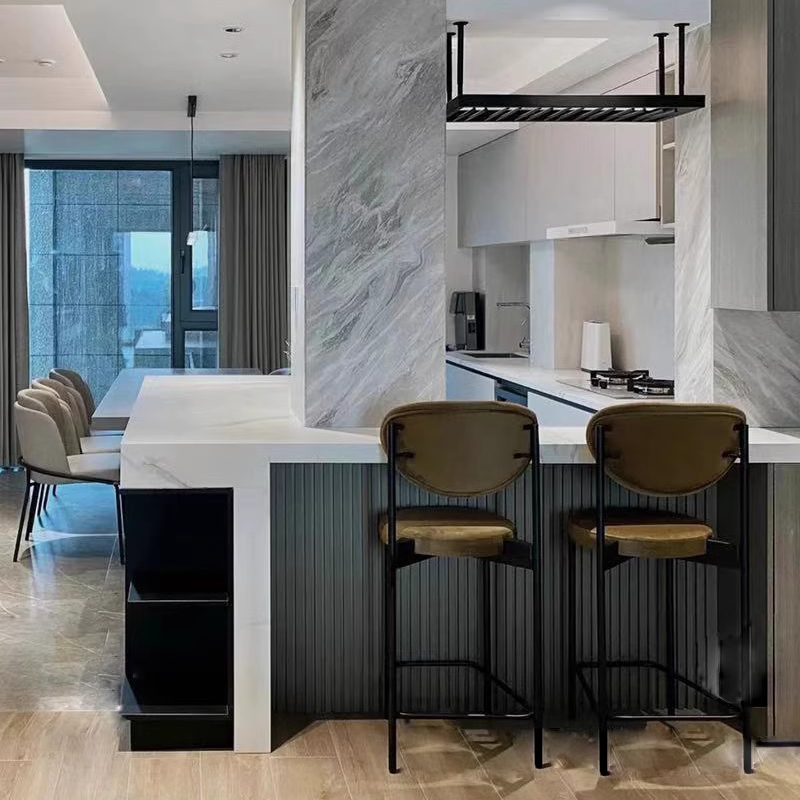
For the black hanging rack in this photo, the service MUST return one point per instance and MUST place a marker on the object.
(571, 107)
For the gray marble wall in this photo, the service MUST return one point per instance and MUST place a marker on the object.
(368, 257)
(694, 317)
(750, 359)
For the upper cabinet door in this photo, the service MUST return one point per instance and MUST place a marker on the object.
(570, 175)
(491, 194)
(636, 161)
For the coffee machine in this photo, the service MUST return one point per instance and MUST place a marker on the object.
(468, 309)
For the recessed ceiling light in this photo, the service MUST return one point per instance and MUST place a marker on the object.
(46, 62)
(228, 55)
(233, 29)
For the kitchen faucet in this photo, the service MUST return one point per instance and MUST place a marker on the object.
(525, 344)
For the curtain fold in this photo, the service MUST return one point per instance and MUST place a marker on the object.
(14, 364)
(253, 263)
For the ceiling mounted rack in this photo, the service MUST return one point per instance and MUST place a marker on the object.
(571, 107)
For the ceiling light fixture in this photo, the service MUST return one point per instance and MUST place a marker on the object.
(228, 55)
(233, 29)
(46, 62)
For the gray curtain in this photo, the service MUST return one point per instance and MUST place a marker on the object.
(13, 299)
(253, 263)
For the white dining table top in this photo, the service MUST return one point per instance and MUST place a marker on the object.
(114, 410)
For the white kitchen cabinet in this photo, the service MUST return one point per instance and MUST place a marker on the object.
(636, 165)
(463, 384)
(492, 194)
(552, 413)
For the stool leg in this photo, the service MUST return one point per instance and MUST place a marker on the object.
(390, 659)
(32, 510)
(572, 630)
(602, 670)
(22, 518)
(671, 683)
(486, 651)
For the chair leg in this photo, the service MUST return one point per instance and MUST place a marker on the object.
(35, 492)
(55, 486)
(46, 497)
(120, 527)
(22, 518)
(486, 630)
(572, 631)
(390, 661)
(40, 502)
(671, 683)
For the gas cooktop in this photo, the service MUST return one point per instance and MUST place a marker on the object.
(621, 385)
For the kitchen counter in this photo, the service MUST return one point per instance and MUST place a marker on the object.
(536, 379)
(300, 498)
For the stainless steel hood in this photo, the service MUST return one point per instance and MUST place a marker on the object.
(566, 107)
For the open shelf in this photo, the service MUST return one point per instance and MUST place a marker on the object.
(167, 701)
(178, 588)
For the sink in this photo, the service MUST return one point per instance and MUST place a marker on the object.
(494, 355)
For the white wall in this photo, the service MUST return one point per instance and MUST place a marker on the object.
(642, 305)
(622, 281)
(458, 261)
(501, 273)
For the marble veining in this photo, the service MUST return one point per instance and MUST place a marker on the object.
(373, 276)
(694, 317)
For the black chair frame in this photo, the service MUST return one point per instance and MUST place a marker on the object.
(719, 554)
(516, 553)
(35, 494)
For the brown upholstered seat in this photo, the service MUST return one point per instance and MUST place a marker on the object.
(643, 533)
(451, 531)
(661, 450)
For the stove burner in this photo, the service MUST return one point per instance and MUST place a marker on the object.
(612, 377)
(653, 387)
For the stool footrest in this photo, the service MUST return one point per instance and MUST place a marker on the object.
(735, 709)
(498, 682)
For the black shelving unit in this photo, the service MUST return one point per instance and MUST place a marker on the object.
(178, 686)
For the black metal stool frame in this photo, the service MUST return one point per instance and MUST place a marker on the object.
(607, 557)
(524, 555)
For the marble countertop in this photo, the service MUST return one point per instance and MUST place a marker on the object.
(224, 430)
(520, 371)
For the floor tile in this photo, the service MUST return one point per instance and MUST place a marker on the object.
(232, 775)
(312, 778)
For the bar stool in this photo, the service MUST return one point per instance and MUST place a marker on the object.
(464, 449)
(661, 450)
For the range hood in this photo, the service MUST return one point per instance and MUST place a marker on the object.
(653, 231)
(566, 107)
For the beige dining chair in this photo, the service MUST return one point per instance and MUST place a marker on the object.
(75, 380)
(88, 443)
(47, 462)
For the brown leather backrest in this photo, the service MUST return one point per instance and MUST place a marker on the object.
(461, 449)
(668, 449)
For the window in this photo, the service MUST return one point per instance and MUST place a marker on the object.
(112, 281)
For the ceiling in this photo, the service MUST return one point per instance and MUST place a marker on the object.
(128, 65)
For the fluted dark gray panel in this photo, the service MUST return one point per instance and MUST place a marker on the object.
(327, 612)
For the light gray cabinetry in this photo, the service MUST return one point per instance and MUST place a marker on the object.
(755, 161)
(553, 413)
(492, 193)
(463, 384)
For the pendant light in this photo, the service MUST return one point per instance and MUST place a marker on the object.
(191, 112)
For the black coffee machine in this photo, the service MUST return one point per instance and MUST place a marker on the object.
(468, 309)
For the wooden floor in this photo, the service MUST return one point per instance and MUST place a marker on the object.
(81, 755)
(61, 738)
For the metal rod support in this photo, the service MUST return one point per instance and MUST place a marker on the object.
(662, 62)
(450, 37)
(460, 62)
(681, 26)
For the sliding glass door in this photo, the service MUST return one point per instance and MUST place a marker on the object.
(112, 280)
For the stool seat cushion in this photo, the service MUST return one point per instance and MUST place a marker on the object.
(643, 533)
(451, 531)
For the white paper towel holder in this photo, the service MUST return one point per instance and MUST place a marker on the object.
(596, 346)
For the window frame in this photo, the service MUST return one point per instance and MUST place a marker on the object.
(184, 317)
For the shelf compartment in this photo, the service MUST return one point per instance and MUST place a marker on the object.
(178, 589)
(134, 709)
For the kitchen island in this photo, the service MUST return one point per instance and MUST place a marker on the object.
(283, 610)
